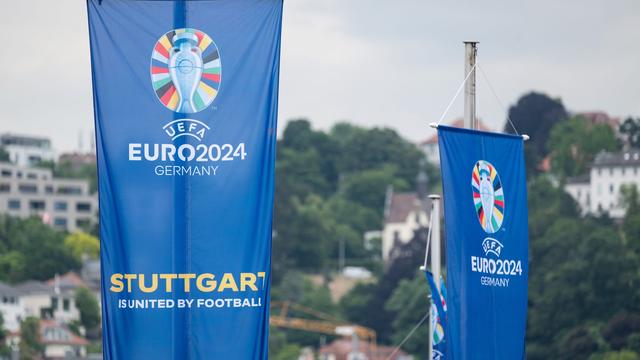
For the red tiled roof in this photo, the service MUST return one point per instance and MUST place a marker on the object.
(342, 347)
(70, 279)
(70, 337)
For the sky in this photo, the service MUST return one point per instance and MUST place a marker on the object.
(371, 62)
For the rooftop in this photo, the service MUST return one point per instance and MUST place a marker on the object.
(7, 290)
(581, 179)
(625, 158)
(400, 205)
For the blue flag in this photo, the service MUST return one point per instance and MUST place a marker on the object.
(438, 319)
(185, 100)
(485, 203)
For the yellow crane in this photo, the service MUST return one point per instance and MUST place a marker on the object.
(327, 324)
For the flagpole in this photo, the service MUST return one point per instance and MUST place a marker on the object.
(435, 255)
(470, 53)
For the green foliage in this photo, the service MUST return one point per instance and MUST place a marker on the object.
(4, 349)
(330, 187)
(409, 301)
(581, 275)
(368, 187)
(630, 129)
(31, 250)
(535, 114)
(616, 355)
(633, 342)
(89, 309)
(81, 243)
(579, 343)
(4, 155)
(619, 328)
(30, 344)
(574, 144)
(279, 348)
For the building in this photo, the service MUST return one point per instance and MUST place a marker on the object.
(54, 299)
(25, 150)
(430, 146)
(404, 213)
(343, 349)
(66, 204)
(11, 307)
(598, 191)
(60, 342)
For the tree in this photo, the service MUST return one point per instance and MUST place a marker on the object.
(630, 128)
(579, 343)
(368, 187)
(4, 349)
(89, 309)
(619, 328)
(4, 155)
(575, 143)
(410, 303)
(30, 344)
(81, 244)
(31, 250)
(535, 114)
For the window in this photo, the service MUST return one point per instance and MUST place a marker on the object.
(13, 204)
(611, 188)
(36, 205)
(5, 173)
(65, 304)
(5, 187)
(54, 303)
(48, 189)
(60, 222)
(19, 174)
(83, 207)
(32, 176)
(70, 190)
(83, 223)
(60, 206)
(28, 188)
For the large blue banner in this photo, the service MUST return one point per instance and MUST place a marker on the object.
(485, 203)
(185, 98)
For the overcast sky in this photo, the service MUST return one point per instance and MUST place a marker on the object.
(372, 62)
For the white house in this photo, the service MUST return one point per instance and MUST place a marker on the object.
(11, 307)
(27, 150)
(54, 299)
(60, 342)
(403, 214)
(599, 191)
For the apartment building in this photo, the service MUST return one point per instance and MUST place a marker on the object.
(65, 204)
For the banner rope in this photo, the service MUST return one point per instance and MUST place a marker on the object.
(407, 337)
(486, 78)
(457, 93)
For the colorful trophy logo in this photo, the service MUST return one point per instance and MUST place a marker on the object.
(185, 70)
(488, 196)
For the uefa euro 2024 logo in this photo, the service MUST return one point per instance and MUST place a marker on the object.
(185, 70)
(488, 196)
